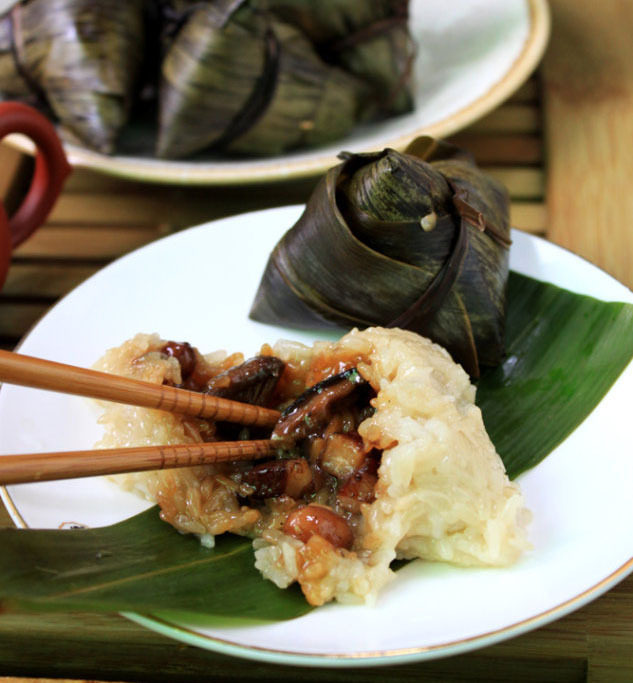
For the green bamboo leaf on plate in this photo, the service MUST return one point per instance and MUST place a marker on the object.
(564, 351)
(140, 564)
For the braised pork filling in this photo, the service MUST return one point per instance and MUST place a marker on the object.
(323, 471)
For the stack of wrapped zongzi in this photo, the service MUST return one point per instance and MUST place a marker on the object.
(241, 77)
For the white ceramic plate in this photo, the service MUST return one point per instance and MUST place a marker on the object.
(472, 55)
(198, 286)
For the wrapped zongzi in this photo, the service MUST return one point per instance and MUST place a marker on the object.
(416, 240)
(191, 77)
(13, 83)
(370, 40)
(237, 79)
(79, 57)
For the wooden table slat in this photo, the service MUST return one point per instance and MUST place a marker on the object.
(511, 149)
(522, 182)
(86, 242)
(589, 114)
(510, 118)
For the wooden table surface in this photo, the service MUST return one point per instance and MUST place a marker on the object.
(560, 144)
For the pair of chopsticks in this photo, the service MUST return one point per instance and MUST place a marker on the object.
(42, 374)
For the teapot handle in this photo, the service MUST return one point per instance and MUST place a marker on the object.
(51, 168)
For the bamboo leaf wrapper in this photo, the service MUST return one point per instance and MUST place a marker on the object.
(418, 240)
(78, 58)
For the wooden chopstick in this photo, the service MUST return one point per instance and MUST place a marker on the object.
(33, 467)
(27, 371)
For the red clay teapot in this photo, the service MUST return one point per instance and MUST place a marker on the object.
(51, 170)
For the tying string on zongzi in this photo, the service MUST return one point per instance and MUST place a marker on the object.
(433, 297)
(402, 82)
(260, 97)
(475, 218)
(430, 301)
(375, 30)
